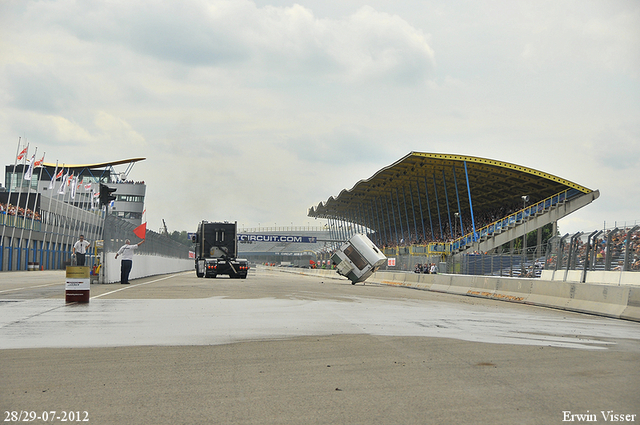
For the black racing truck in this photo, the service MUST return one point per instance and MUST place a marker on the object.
(217, 249)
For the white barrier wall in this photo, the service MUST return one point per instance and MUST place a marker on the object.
(595, 277)
(143, 266)
(618, 301)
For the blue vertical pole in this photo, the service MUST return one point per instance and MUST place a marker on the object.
(473, 223)
(19, 257)
(455, 182)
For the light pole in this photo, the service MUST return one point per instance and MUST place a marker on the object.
(525, 199)
(456, 227)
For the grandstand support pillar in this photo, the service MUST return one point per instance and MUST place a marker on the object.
(381, 232)
(446, 200)
(424, 237)
(435, 188)
(413, 210)
(386, 204)
(473, 222)
(426, 192)
(459, 216)
(511, 258)
(539, 243)
(406, 213)
(399, 215)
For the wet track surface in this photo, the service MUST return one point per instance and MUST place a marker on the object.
(115, 316)
(438, 355)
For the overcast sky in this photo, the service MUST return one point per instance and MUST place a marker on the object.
(257, 110)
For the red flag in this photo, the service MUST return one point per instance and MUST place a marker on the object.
(141, 231)
(22, 154)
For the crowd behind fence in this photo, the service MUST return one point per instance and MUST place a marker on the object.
(616, 249)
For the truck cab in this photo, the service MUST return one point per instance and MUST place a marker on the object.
(217, 250)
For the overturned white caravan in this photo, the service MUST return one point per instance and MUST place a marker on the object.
(358, 258)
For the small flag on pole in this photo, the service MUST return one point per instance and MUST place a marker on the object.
(29, 172)
(22, 154)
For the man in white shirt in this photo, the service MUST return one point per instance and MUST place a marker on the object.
(127, 260)
(80, 250)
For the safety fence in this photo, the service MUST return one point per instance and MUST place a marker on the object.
(117, 231)
(615, 249)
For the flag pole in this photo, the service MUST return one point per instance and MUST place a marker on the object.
(58, 202)
(6, 215)
(33, 211)
(26, 203)
(46, 225)
(15, 222)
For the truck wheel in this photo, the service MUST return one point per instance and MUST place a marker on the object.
(199, 274)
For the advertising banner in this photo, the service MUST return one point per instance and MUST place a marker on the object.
(276, 238)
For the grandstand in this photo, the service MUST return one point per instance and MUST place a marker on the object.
(441, 205)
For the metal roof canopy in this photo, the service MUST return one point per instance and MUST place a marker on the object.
(83, 169)
(438, 183)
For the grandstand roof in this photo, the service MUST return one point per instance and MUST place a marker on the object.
(98, 165)
(420, 178)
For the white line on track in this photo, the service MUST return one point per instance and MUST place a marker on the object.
(31, 287)
(139, 284)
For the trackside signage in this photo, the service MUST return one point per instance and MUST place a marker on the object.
(276, 238)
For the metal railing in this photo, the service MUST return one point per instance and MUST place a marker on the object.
(511, 220)
(615, 249)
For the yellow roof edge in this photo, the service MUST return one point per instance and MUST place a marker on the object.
(502, 164)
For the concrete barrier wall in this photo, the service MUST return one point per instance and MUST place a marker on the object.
(621, 302)
(143, 266)
(595, 277)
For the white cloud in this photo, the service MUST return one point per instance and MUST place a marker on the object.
(279, 106)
